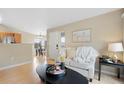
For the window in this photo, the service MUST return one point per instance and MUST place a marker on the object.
(62, 39)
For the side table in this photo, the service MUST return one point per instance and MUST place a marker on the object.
(117, 65)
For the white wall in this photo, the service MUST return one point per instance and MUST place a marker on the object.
(11, 54)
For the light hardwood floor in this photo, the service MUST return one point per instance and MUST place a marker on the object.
(20, 74)
(26, 74)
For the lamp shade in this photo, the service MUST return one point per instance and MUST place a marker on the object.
(115, 47)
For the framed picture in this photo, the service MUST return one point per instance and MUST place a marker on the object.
(81, 36)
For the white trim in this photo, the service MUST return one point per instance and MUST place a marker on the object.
(15, 65)
(109, 73)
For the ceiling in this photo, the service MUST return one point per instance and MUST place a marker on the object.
(38, 20)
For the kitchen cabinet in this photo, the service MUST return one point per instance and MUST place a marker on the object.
(15, 37)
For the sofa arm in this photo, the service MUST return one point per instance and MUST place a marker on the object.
(91, 69)
(91, 72)
(67, 61)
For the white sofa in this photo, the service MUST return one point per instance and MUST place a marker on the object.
(83, 61)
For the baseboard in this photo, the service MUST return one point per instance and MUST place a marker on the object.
(15, 65)
(108, 73)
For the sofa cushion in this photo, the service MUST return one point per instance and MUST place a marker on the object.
(79, 65)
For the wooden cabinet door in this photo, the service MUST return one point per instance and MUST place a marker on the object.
(2, 35)
(17, 37)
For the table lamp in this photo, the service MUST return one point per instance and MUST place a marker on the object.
(115, 47)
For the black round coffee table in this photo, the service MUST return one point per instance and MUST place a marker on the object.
(71, 76)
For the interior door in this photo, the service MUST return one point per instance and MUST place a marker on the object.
(54, 39)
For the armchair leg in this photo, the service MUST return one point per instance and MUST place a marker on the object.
(90, 80)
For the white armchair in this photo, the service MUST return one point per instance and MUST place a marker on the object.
(84, 61)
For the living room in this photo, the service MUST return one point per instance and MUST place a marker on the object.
(105, 29)
(70, 30)
(59, 46)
